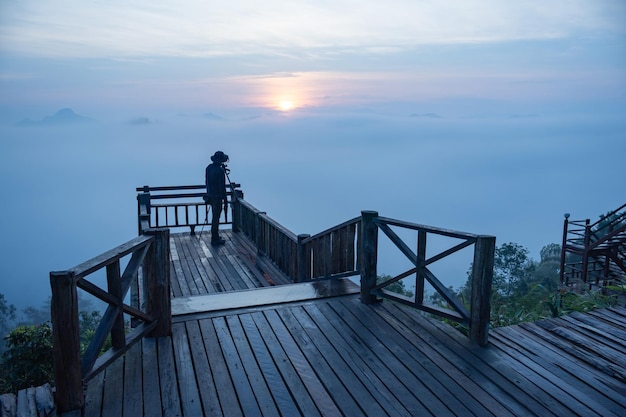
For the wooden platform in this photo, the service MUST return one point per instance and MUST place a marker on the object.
(199, 268)
(335, 356)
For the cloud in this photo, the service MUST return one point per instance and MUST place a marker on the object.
(239, 27)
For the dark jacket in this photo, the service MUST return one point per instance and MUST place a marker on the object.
(215, 182)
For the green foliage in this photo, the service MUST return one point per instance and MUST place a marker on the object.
(524, 290)
(7, 316)
(89, 321)
(28, 359)
(398, 287)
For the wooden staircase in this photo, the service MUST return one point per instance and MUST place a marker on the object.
(594, 254)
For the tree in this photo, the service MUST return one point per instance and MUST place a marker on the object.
(27, 361)
(7, 316)
(512, 267)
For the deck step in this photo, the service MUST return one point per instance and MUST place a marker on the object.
(262, 296)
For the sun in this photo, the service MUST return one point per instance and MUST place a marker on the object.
(286, 105)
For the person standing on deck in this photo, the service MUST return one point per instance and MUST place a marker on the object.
(216, 192)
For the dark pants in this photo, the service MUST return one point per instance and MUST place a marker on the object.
(216, 212)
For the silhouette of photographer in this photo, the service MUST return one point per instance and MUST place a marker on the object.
(216, 192)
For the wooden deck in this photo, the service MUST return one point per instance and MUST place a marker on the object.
(331, 355)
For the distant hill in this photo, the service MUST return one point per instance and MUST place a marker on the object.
(62, 117)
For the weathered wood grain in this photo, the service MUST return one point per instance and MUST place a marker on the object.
(337, 356)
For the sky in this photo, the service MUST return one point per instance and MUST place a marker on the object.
(478, 115)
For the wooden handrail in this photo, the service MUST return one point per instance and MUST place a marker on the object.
(481, 272)
(71, 369)
(176, 209)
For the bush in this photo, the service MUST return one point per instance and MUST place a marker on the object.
(27, 362)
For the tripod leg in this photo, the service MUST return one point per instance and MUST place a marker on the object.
(206, 219)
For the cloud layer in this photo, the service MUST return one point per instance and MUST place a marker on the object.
(239, 27)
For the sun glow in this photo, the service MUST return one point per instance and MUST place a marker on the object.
(286, 105)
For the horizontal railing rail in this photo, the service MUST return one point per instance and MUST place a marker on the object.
(478, 315)
(149, 258)
(343, 251)
(176, 206)
(328, 254)
(270, 238)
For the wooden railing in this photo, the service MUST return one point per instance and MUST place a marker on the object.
(326, 255)
(594, 253)
(71, 369)
(351, 248)
(177, 206)
(372, 291)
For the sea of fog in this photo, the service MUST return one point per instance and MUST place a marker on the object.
(68, 192)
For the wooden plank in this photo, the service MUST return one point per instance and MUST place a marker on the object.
(180, 276)
(175, 288)
(221, 376)
(270, 369)
(204, 374)
(113, 389)
(573, 402)
(185, 373)
(249, 266)
(580, 353)
(197, 264)
(584, 383)
(324, 370)
(93, 396)
(170, 400)
(376, 378)
(320, 396)
(240, 380)
(133, 396)
(202, 265)
(151, 387)
(605, 331)
(512, 393)
(572, 335)
(471, 391)
(187, 266)
(255, 377)
(411, 365)
(206, 255)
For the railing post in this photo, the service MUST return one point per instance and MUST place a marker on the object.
(369, 256)
(156, 273)
(482, 276)
(258, 231)
(118, 336)
(236, 207)
(563, 251)
(66, 342)
(302, 259)
(585, 254)
(143, 200)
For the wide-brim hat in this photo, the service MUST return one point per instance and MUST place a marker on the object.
(219, 157)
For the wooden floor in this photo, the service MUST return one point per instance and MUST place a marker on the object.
(336, 356)
(199, 268)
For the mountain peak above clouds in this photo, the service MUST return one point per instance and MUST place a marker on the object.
(62, 117)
